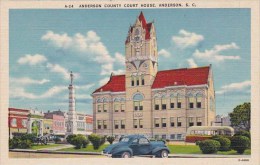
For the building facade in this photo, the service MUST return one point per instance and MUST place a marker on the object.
(17, 121)
(222, 120)
(159, 104)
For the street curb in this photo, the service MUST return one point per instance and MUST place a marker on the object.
(55, 152)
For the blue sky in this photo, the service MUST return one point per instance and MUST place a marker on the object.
(46, 44)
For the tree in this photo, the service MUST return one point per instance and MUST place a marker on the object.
(240, 117)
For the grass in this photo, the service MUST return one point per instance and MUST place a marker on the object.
(193, 149)
(174, 149)
(89, 148)
(40, 146)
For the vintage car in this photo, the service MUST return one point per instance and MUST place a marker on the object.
(133, 145)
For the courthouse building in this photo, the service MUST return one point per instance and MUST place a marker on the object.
(158, 104)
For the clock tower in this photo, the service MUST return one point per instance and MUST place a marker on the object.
(141, 68)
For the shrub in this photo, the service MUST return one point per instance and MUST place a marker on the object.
(209, 146)
(197, 142)
(243, 133)
(110, 139)
(224, 143)
(70, 137)
(13, 143)
(240, 143)
(96, 140)
(30, 137)
(24, 144)
(79, 141)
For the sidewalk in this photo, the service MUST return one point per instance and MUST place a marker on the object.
(56, 148)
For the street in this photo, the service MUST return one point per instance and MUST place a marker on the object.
(48, 155)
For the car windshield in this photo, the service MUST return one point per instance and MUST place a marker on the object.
(125, 139)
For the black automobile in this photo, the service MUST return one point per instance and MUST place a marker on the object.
(133, 145)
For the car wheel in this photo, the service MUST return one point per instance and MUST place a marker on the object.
(126, 155)
(164, 154)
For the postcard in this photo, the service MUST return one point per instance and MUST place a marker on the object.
(160, 82)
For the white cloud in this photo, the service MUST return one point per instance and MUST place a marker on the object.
(192, 63)
(21, 93)
(119, 58)
(27, 81)
(56, 68)
(32, 59)
(164, 53)
(119, 71)
(89, 45)
(103, 81)
(187, 39)
(214, 54)
(84, 87)
(235, 87)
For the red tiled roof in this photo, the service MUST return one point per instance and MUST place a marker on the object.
(184, 76)
(115, 84)
(175, 77)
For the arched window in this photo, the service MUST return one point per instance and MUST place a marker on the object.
(105, 105)
(132, 81)
(172, 101)
(164, 103)
(198, 100)
(138, 101)
(157, 103)
(178, 100)
(191, 101)
(142, 77)
(116, 104)
(137, 80)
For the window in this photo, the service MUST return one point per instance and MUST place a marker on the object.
(138, 102)
(122, 107)
(157, 103)
(142, 79)
(179, 122)
(156, 122)
(105, 124)
(172, 101)
(116, 124)
(140, 123)
(122, 124)
(191, 101)
(172, 136)
(163, 122)
(105, 107)
(116, 107)
(178, 101)
(191, 122)
(172, 121)
(99, 108)
(164, 102)
(179, 136)
(143, 141)
(164, 136)
(199, 121)
(14, 122)
(99, 124)
(137, 80)
(132, 81)
(135, 123)
(198, 100)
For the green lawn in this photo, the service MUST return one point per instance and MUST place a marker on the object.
(40, 146)
(175, 149)
(192, 149)
(88, 149)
